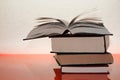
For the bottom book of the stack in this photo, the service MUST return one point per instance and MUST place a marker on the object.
(86, 69)
(83, 66)
(79, 76)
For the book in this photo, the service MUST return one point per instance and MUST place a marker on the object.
(94, 44)
(83, 59)
(85, 69)
(78, 76)
(84, 77)
(51, 27)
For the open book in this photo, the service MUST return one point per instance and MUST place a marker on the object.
(50, 27)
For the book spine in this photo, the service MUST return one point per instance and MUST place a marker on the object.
(105, 44)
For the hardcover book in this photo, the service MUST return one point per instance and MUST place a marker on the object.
(83, 59)
(95, 44)
(84, 77)
(69, 76)
(85, 69)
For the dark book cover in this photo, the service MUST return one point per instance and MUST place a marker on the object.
(61, 76)
(83, 59)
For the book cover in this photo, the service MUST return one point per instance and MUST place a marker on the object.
(85, 69)
(84, 77)
(69, 76)
(83, 59)
(95, 44)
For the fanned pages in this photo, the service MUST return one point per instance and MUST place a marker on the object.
(50, 27)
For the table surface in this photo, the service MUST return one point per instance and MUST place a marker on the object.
(39, 67)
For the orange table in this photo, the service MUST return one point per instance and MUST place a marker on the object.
(39, 67)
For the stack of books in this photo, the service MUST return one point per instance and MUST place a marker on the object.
(82, 58)
(80, 46)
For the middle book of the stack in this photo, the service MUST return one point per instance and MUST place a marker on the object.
(85, 54)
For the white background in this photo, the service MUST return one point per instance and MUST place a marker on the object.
(17, 18)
